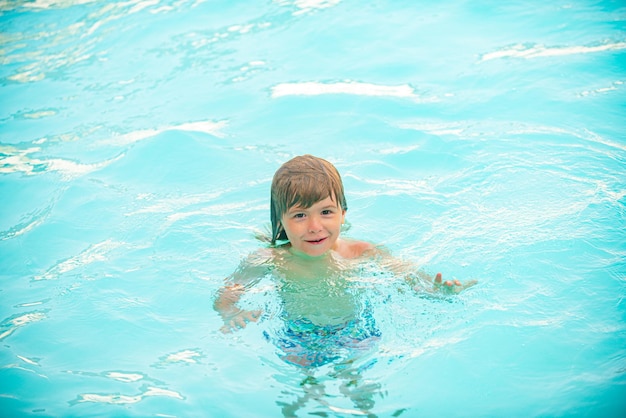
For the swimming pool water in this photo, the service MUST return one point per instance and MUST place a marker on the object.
(481, 139)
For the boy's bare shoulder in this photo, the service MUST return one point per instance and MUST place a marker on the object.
(349, 248)
(253, 267)
(261, 257)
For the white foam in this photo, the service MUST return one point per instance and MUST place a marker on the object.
(47, 4)
(305, 6)
(472, 128)
(21, 230)
(96, 252)
(20, 321)
(19, 161)
(125, 377)
(116, 399)
(207, 126)
(312, 88)
(110, 399)
(537, 51)
(27, 360)
(70, 169)
(185, 356)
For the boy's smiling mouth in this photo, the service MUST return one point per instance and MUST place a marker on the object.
(317, 241)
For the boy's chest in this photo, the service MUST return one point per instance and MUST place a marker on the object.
(317, 296)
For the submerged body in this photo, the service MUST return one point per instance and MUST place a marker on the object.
(324, 314)
(317, 289)
(325, 318)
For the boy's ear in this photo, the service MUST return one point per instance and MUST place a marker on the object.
(343, 216)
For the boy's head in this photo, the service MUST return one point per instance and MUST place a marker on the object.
(303, 181)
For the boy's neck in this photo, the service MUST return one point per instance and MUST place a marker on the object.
(305, 256)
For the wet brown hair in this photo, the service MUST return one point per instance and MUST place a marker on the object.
(303, 181)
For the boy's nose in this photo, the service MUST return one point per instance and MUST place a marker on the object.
(314, 224)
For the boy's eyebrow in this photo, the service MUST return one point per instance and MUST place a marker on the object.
(300, 208)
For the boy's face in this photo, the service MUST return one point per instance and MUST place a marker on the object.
(314, 231)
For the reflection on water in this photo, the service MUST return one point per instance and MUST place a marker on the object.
(10, 325)
(310, 392)
(137, 146)
(117, 399)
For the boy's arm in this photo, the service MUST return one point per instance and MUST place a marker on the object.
(451, 286)
(418, 279)
(226, 305)
(245, 277)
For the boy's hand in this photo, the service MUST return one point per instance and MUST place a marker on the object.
(239, 320)
(451, 286)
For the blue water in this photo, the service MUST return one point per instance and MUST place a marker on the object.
(485, 140)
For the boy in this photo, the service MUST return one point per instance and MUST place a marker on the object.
(308, 209)
(325, 318)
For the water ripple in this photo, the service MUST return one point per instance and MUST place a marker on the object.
(117, 399)
(206, 126)
(96, 252)
(16, 160)
(307, 6)
(12, 324)
(529, 51)
(188, 356)
(59, 47)
(347, 87)
(34, 220)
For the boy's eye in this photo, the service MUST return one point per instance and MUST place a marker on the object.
(298, 215)
(327, 212)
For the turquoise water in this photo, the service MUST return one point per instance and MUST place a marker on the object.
(485, 140)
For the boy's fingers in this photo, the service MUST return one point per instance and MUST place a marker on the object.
(438, 278)
(239, 322)
(451, 286)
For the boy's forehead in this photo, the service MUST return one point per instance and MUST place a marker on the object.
(299, 204)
